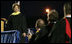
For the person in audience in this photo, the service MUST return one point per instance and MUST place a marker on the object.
(62, 29)
(52, 18)
(40, 35)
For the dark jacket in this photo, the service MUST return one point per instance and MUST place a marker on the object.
(40, 37)
(59, 34)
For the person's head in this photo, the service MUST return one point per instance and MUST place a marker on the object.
(16, 7)
(39, 23)
(67, 8)
(53, 16)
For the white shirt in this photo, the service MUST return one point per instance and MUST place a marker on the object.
(69, 16)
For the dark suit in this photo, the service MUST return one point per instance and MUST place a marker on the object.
(49, 28)
(59, 34)
(40, 37)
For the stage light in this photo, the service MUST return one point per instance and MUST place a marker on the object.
(47, 10)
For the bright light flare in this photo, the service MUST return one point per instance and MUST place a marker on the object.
(47, 10)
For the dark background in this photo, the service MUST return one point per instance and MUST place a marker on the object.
(33, 10)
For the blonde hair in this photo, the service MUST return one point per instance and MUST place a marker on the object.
(15, 4)
(38, 24)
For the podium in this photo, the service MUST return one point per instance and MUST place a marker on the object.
(3, 24)
(12, 36)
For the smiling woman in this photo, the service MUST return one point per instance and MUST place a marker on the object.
(17, 21)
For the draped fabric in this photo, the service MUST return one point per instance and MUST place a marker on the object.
(68, 30)
(10, 36)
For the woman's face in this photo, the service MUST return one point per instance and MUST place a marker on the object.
(16, 9)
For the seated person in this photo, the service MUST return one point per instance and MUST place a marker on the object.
(40, 35)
